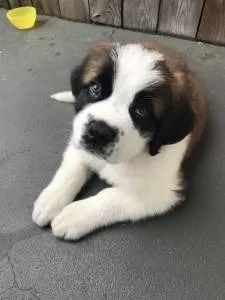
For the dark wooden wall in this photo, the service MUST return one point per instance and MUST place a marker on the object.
(195, 19)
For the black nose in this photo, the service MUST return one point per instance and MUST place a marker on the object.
(98, 134)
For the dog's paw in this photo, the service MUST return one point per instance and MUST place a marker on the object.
(47, 206)
(74, 221)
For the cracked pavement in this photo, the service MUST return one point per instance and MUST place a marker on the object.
(178, 256)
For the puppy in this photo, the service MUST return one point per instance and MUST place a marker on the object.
(139, 114)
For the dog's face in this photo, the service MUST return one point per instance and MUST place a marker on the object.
(123, 99)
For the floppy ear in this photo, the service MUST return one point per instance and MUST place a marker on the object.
(173, 127)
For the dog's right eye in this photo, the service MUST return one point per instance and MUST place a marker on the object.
(95, 90)
(141, 112)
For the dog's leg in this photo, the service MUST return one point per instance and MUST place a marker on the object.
(63, 188)
(109, 206)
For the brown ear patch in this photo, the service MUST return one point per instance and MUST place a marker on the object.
(186, 107)
(95, 61)
(198, 103)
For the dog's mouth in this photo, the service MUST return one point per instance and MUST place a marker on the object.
(101, 151)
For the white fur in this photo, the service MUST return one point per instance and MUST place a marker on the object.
(66, 96)
(135, 71)
(142, 185)
(65, 185)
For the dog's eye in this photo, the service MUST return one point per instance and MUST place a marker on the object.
(141, 112)
(95, 89)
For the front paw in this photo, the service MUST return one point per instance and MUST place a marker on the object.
(74, 221)
(47, 206)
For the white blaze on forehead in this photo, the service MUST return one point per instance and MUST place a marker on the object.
(135, 69)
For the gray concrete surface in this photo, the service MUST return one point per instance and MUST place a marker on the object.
(178, 256)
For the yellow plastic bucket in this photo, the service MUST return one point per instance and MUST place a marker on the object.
(22, 17)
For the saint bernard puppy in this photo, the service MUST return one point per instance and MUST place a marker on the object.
(139, 113)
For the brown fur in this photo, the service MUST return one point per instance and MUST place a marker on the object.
(95, 61)
(184, 82)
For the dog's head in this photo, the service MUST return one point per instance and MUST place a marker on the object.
(128, 99)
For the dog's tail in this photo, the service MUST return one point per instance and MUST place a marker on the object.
(66, 96)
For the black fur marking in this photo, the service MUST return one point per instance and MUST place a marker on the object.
(121, 132)
(146, 124)
(82, 91)
(176, 124)
(163, 125)
(154, 101)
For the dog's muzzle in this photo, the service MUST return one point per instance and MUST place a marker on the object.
(99, 137)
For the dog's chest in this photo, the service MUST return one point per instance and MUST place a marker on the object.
(128, 175)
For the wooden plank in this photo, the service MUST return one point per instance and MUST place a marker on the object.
(14, 3)
(106, 11)
(77, 10)
(50, 7)
(180, 17)
(141, 15)
(4, 4)
(26, 3)
(39, 7)
(212, 26)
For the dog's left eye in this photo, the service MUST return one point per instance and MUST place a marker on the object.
(95, 90)
(141, 112)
